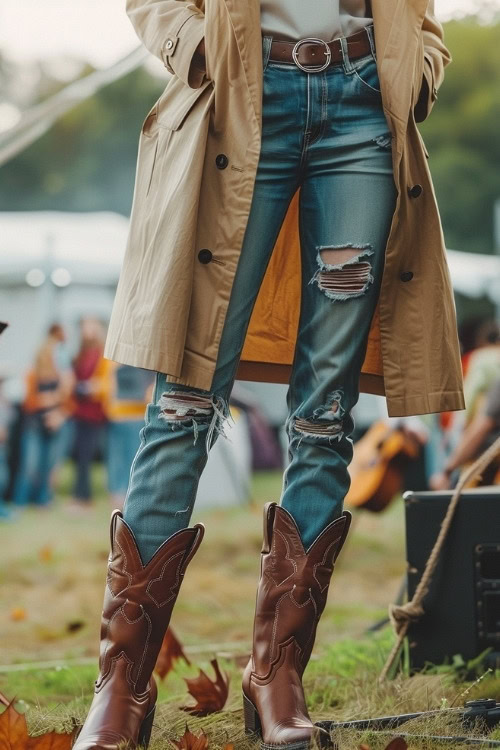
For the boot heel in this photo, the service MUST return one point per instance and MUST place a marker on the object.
(252, 721)
(146, 727)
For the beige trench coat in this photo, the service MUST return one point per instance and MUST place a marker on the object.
(170, 307)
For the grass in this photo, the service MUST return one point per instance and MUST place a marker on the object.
(52, 569)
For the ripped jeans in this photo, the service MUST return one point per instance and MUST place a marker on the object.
(327, 134)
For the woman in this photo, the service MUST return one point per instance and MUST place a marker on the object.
(46, 409)
(261, 126)
(91, 374)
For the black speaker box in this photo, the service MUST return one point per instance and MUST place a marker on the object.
(462, 607)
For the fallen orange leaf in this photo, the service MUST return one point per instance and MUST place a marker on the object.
(171, 650)
(189, 741)
(13, 730)
(45, 553)
(17, 614)
(50, 741)
(210, 696)
(14, 733)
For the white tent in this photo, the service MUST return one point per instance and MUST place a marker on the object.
(55, 266)
(475, 275)
(89, 246)
(62, 266)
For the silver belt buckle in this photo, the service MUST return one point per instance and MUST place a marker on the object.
(314, 68)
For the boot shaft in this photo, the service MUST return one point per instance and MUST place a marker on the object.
(293, 586)
(139, 599)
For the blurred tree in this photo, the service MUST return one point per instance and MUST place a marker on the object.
(463, 136)
(86, 162)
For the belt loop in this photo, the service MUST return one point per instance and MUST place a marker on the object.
(369, 31)
(345, 54)
(266, 50)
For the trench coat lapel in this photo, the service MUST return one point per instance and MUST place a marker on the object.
(387, 15)
(397, 25)
(245, 20)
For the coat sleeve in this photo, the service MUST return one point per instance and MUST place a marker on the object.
(171, 30)
(436, 58)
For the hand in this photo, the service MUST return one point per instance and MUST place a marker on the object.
(53, 419)
(440, 481)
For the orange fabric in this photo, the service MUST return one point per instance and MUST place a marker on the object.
(31, 402)
(275, 319)
(118, 410)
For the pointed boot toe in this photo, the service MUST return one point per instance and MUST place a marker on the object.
(138, 603)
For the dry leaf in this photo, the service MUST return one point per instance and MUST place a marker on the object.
(229, 747)
(189, 741)
(14, 733)
(17, 614)
(13, 730)
(50, 741)
(171, 650)
(398, 743)
(45, 553)
(210, 696)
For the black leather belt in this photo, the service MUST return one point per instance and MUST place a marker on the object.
(314, 55)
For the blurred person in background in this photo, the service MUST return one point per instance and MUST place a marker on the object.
(46, 408)
(482, 370)
(91, 372)
(6, 414)
(477, 436)
(474, 335)
(480, 356)
(129, 390)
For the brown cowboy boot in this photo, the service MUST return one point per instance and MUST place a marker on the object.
(291, 596)
(138, 602)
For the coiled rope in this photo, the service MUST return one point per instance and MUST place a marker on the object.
(402, 616)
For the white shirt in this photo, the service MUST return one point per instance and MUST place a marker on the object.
(324, 19)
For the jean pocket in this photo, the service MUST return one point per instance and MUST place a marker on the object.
(366, 74)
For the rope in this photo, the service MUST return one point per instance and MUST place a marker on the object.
(402, 616)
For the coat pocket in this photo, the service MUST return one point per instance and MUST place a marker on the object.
(148, 150)
(176, 102)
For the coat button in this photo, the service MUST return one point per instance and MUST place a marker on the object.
(415, 191)
(205, 256)
(169, 44)
(406, 276)
(221, 161)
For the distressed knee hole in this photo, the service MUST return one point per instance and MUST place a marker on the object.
(184, 410)
(317, 428)
(326, 422)
(184, 407)
(344, 271)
